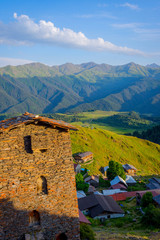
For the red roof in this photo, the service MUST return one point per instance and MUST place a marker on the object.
(32, 118)
(82, 218)
(124, 195)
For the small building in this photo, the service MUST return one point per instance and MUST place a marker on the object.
(118, 179)
(129, 169)
(92, 180)
(83, 157)
(154, 183)
(77, 168)
(130, 180)
(99, 206)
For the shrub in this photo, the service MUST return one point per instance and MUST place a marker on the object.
(146, 199)
(103, 183)
(152, 216)
(86, 232)
(80, 184)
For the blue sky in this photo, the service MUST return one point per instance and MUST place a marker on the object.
(103, 31)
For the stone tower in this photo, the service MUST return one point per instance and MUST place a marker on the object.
(37, 181)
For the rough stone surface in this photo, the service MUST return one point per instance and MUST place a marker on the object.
(48, 154)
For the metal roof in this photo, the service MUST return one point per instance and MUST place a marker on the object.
(28, 118)
(130, 179)
(81, 194)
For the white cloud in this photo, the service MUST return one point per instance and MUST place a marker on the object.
(13, 61)
(138, 28)
(98, 15)
(131, 6)
(126, 25)
(25, 31)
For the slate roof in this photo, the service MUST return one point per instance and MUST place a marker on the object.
(93, 178)
(154, 183)
(91, 189)
(118, 186)
(27, 118)
(84, 154)
(98, 204)
(118, 179)
(128, 166)
(157, 199)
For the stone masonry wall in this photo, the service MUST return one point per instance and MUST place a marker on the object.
(50, 156)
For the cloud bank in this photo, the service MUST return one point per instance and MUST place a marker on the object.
(24, 31)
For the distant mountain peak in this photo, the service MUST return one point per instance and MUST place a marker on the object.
(153, 65)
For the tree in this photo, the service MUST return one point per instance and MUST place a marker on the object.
(146, 199)
(79, 178)
(80, 184)
(115, 169)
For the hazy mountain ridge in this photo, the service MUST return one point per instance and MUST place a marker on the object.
(39, 88)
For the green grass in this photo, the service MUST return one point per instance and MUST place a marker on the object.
(118, 122)
(129, 225)
(106, 146)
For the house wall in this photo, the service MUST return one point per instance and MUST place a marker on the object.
(108, 216)
(50, 156)
(131, 172)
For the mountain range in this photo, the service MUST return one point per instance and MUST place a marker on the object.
(39, 88)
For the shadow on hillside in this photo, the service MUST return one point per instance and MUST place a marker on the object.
(15, 223)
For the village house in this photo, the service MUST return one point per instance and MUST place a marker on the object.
(92, 180)
(120, 181)
(129, 169)
(99, 206)
(130, 180)
(83, 157)
(37, 179)
(154, 183)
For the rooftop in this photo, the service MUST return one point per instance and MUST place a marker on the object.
(99, 204)
(84, 154)
(27, 118)
(129, 166)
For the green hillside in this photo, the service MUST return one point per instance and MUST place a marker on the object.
(106, 146)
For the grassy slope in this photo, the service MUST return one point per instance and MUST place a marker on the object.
(106, 146)
(118, 122)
